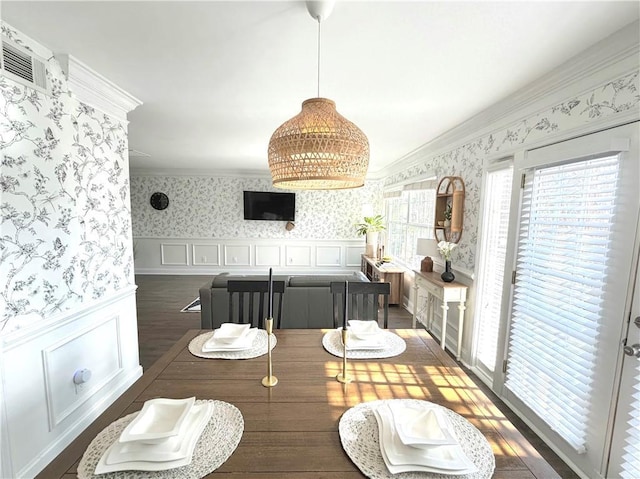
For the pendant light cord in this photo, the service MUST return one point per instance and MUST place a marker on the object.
(319, 57)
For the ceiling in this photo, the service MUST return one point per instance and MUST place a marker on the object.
(217, 78)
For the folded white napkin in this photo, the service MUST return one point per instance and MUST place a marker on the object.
(364, 335)
(242, 342)
(419, 425)
(364, 329)
(399, 457)
(159, 419)
(230, 332)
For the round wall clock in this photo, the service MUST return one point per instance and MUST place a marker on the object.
(159, 201)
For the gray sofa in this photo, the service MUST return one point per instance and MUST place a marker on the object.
(307, 299)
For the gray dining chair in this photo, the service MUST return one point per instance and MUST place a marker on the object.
(251, 302)
(363, 301)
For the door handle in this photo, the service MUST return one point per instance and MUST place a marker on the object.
(633, 350)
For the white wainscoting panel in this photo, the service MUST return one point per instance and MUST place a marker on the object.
(206, 255)
(237, 255)
(329, 256)
(61, 362)
(354, 255)
(268, 255)
(174, 254)
(298, 255)
(245, 256)
(43, 410)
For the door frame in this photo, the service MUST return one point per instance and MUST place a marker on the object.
(611, 142)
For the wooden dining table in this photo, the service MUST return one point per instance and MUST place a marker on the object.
(291, 429)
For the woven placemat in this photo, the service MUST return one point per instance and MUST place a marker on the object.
(359, 436)
(394, 346)
(219, 439)
(258, 348)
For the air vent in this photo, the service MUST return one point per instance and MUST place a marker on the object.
(23, 66)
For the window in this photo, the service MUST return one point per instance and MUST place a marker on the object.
(409, 217)
(495, 225)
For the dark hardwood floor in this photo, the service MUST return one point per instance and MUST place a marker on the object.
(160, 324)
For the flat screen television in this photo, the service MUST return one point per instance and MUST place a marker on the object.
(265, 205)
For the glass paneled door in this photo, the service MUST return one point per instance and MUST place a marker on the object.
(625, 448)
(574, 271)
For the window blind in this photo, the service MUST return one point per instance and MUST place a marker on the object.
(495, 224)
(631, 456)
(561, 271)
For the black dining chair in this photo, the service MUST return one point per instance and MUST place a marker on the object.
(247, 310)
(363, 302)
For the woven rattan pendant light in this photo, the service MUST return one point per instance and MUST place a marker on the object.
(318, 149)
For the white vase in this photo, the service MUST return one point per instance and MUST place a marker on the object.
(372, 244)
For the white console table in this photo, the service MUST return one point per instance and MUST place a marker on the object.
(434, 287)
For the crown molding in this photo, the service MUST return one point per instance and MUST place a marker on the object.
(89, 87)
(200, 172)
(614, 56)
(210, 173)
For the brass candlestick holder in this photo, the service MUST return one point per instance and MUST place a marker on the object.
(343, 377)
(269, 380)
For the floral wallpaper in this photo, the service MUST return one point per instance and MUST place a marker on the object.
(65, 228)
(466, 161)
(212, 207)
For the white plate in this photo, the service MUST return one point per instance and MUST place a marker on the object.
(230, 332)
(399, 457)
(158, 420)
(205, 413)
(246, 342)
(174, 448)
(421, 425)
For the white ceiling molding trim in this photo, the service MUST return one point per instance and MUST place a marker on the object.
(89, 87)
(214, 173)
(616, 55)
(426, 176)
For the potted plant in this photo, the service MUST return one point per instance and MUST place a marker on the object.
(447, 216)
(371, 227)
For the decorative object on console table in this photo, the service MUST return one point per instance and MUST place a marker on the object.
(447, 275)
(427, 248)
(382, 272)
(371, 227)
(449, 209)
(445, 250)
